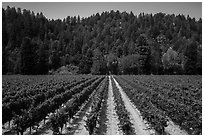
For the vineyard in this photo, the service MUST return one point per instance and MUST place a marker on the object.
(102, 105)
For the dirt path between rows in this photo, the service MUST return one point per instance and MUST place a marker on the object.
(43, 129)
(81, 130)
(113, 121)
(77, 125)
(172, 128)
(138, 124)
(74, 127)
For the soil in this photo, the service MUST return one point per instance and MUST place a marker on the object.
(81, 130)
(138, 124)
(173, 129)
(113, 122)
(76, 126)
(142, 126)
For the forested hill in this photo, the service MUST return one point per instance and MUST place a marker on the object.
(113, 41)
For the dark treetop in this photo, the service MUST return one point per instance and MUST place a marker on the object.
(110, 42)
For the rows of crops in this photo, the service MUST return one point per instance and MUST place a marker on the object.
(30, 104)
(55, 102)
(162, 97)
(122, 112)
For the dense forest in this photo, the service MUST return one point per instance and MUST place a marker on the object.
(111, 42)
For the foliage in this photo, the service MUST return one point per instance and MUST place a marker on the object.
(112, 63)
(170, 60)
(30, 106)
(56, 43)
(160, 96)
(123, 114)
(96, 106)
(99, 63)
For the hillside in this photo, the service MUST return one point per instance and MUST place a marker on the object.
(110, 42)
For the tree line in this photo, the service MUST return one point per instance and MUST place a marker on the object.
(111, 42)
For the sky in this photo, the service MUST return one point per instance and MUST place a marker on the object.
(60, 10)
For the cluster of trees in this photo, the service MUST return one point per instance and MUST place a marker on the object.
(110, 42)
